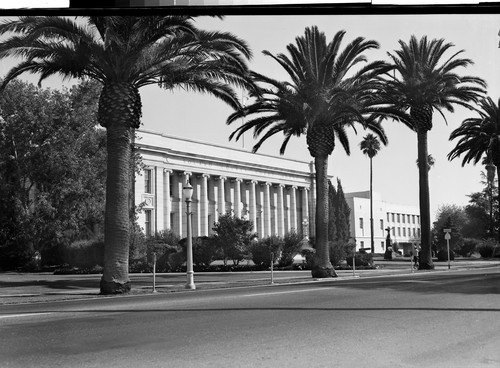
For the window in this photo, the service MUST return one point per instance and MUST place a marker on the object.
(418, 219)
(408, 218)
(414, 233)
(409, 232)
(382, 244)
(393, 232)
(392, 217)
(361, 223)
(362, 244)
(388, 217)
(404, 216)
(399, 231)
(147, 223)
(399, 218)
(413, 218)
(404, 231)
(147, 181)
(381, 224)
(418, 231)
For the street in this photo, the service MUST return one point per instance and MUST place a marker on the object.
(440, 319)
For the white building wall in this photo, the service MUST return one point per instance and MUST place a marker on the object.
(385, 215)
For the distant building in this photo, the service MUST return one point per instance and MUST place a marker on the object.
(275, 193)
(403, 221)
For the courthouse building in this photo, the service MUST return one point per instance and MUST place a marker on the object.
(403, 222)
(275, 193)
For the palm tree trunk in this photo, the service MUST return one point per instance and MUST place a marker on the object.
(115, 277)
(425, 262)
(372, 243)
(322, 266)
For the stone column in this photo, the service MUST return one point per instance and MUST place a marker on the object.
(204, 205)
(252, 206)
(196, 205)
(293, 208)
(237, 198)
(267, 209)
(167, 200)
(305, 205)
(158, 192)
(280, 211)
(222, 199)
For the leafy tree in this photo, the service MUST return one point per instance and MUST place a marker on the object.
(370, 146)
(424, 82)
(478, 138)
(325, 96)
(450, 217)
(342, 215)
(332, 212)
(52, 171)
(125, 53)
(232, 236)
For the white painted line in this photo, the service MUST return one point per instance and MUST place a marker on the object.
(24, 315)
(285, 292)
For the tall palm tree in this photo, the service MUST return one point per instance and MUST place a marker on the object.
(325, 97)
(370, 146)
(124, 54)
(478, 138)
(425, 82)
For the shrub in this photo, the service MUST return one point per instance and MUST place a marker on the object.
(361, 259)
(308, 253)
(468, 247)
(266, 249)
(486, 248)
(290, 248)
(84, 253)
(442, 255)
(339, 251)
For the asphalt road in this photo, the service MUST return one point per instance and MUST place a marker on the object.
(445, 319)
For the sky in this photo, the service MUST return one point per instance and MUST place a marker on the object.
(202, 117)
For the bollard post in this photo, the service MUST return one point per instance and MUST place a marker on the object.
(154, 272)
(272, 268)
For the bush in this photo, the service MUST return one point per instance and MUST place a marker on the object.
(486, 248)
(442, 255)
(468, 247)
(266, 249)
(339, 251)
(290, 248)
(84, 254)
(361, 260)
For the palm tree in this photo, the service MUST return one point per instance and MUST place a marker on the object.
(426, 83)
(124, 54)
(370, 146)
(479, 137)
(325, 97)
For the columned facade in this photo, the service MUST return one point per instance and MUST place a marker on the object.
(274, 193)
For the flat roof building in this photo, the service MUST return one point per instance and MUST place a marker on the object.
(402, 220)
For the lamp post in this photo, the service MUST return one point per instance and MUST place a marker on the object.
(187, 193)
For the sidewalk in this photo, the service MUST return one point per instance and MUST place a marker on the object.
(18, 288)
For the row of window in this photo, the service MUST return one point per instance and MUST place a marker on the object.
(403, 218)
(411, 232)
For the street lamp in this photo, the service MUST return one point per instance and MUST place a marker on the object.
(187, 193)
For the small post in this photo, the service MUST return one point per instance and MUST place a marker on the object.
(447, 236)
(272, 267)
(154, 272)
(354, 260)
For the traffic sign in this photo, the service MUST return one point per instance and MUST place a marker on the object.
(447, 230)
(447, 236)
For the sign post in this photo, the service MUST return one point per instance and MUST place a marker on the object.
(447, 236)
